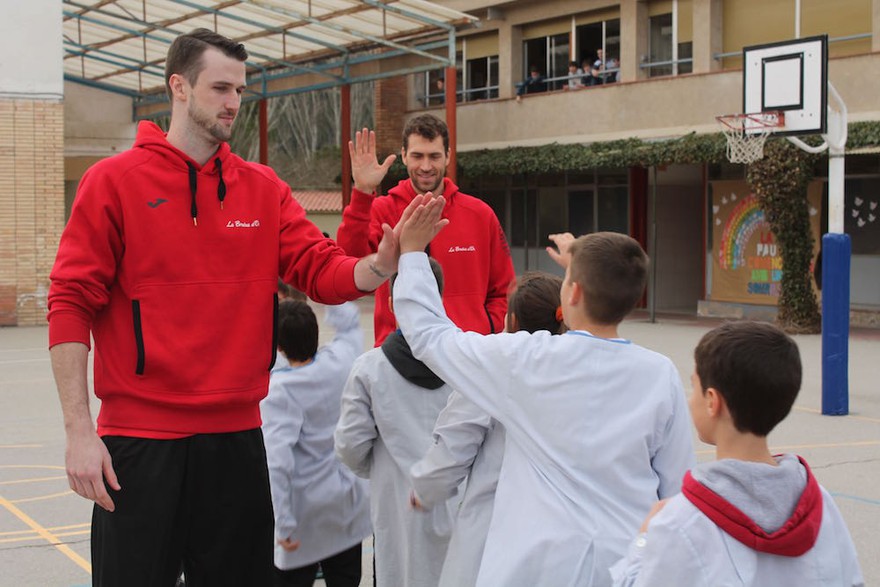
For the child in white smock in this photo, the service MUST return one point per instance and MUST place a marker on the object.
(389, 407)
(597, 427)
(321, 508)
(468, 443)
(750, 518)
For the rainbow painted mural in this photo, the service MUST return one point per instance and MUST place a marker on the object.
(741, 224)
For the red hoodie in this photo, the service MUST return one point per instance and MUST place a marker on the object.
(173, 267)
(472, 249)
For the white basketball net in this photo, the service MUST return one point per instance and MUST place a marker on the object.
(746, 135)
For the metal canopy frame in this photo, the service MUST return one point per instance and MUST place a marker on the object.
(120, 45)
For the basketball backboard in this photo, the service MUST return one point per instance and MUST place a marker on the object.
(790, 77)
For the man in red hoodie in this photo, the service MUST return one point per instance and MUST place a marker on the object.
(170, 261)
(472, 250)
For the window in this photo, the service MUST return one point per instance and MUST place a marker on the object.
(660, 44)
(482, 78)
(550, 55)
(604, 35)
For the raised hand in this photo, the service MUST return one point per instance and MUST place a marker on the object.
(561, 253)
(365, 167)
(422, 224)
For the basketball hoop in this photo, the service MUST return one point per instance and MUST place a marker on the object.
(746, 134)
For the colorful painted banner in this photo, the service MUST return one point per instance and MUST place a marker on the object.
(746, 258)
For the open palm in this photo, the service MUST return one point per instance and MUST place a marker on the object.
(365, 167)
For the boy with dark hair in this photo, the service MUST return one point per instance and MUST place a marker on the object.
(473, 251)
(389, 407)
(596, 426)
(321, 508)
(750, 517)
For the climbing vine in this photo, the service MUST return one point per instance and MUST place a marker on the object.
(780, 181)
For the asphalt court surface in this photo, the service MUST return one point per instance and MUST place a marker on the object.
(44, 527)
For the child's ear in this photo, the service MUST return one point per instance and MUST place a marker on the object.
(576, 293)
(715, 403)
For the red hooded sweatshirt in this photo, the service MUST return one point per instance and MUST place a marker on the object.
(173, 268)
(472, 249)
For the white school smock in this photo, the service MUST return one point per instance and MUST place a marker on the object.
(384, 428)
(596, 429)
(316, 499)
(468, 443)
(684, 548)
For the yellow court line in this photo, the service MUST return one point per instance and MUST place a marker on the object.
(33, 480)
(853, 416)
(21, 446)
(58, 467)
(32, 538)
(45, 534)
(42, 497)
(54, 530)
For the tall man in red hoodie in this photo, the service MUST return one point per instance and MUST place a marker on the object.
(472, 249)
(170, 261)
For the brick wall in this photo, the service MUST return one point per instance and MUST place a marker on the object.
(31, 205)
(389, 115)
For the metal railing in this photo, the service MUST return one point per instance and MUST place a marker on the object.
(843, 39)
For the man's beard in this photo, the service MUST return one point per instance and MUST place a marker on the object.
(433, 189)
(213, 128)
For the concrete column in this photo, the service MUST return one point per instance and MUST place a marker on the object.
(708, 39)
(510, 53)
(875, 25)
(633, 39)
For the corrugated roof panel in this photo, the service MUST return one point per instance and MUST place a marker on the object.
(118, 29)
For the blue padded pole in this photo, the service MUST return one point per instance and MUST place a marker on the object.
(836, 249)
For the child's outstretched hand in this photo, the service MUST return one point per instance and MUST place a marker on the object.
(563, 241)
(421, 224)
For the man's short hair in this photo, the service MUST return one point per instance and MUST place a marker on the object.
(436, 269)
(612, 270)
(185, 54)
(427, 126)
(297, 330)
(757, 370)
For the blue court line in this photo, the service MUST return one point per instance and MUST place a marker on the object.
(856, 498)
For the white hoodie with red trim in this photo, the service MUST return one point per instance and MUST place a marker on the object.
(740, 523)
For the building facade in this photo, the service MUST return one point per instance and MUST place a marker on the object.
(668, 68)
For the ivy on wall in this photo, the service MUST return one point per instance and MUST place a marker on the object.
(780, 181)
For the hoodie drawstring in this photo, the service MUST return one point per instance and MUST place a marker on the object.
(221, 187)
(193, 188)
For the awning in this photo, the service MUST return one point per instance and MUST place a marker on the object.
(120, 45)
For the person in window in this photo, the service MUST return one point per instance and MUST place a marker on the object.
(575, 77)
(531, 85)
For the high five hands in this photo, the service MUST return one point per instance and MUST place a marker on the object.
(365, 168)
(420, 223)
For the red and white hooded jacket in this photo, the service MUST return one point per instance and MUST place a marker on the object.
(172, 267)
(745, 523)
(472, 249)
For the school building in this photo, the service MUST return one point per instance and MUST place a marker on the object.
(680, 65)
(670, 67)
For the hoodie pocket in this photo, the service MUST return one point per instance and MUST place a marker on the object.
(206, 337)
(138, 336)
